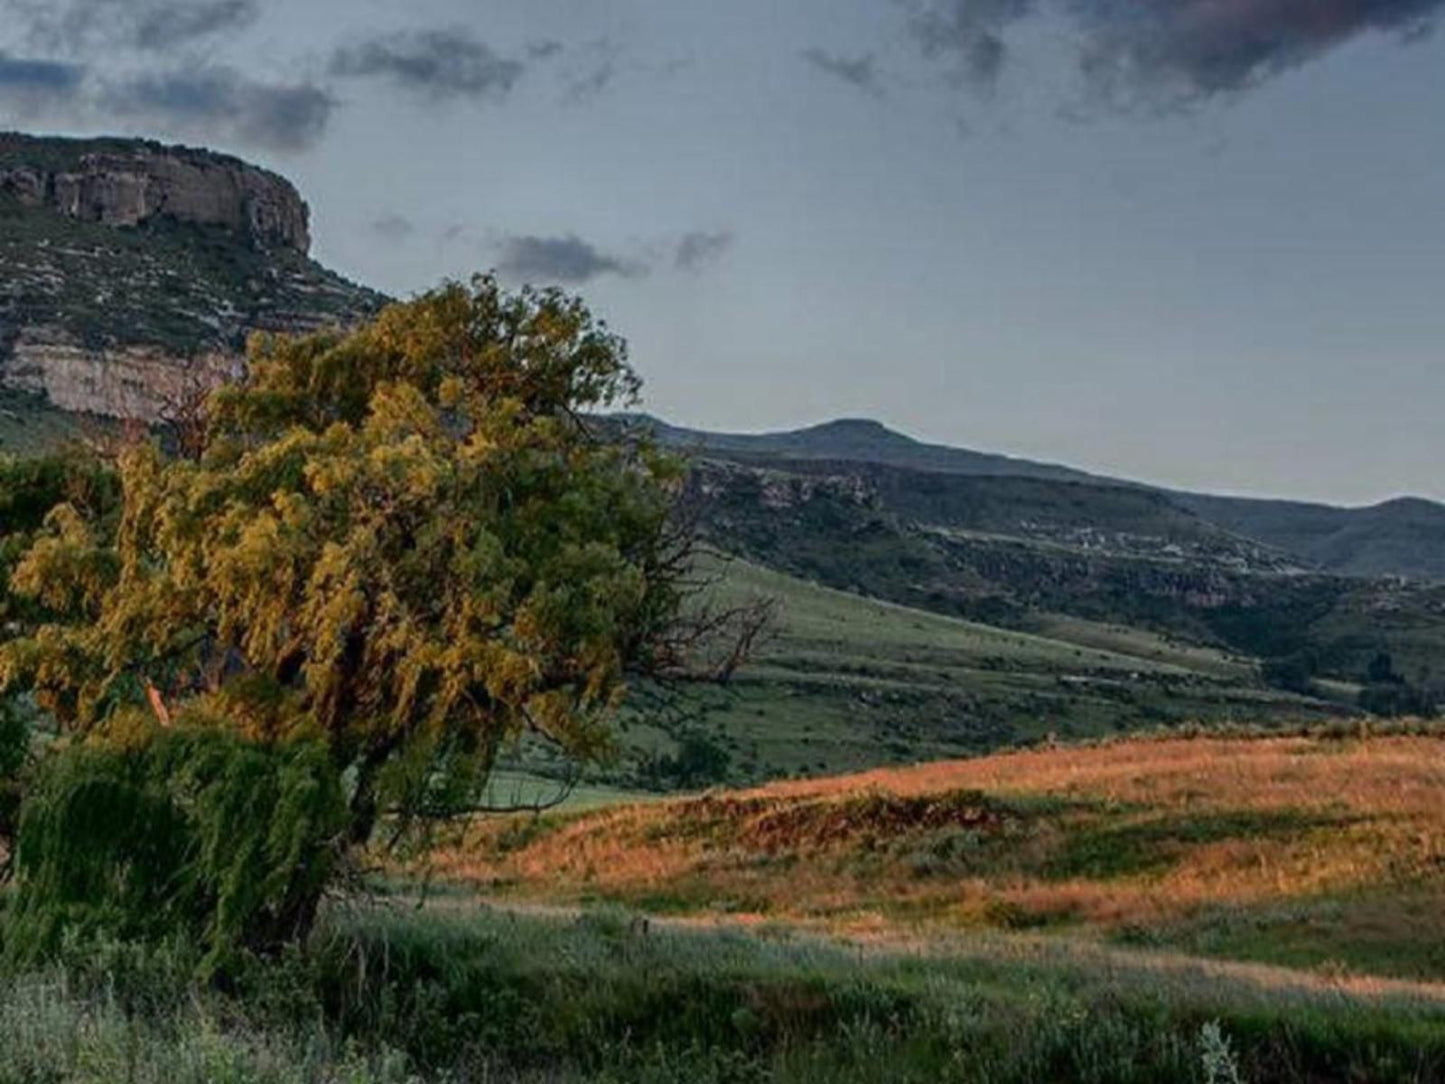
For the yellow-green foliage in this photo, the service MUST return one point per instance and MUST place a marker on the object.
(403, 542)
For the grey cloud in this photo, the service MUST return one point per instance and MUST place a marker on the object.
(220, 103)
(1163, 53)
(35, 90)
(146, 25)
(1192, 49)
(589, 71)
(566, 259)
(164, 26)
(393, 227)
(698, 250)
(860, 72)
(966, 35)
(438, 64)
(48, 78)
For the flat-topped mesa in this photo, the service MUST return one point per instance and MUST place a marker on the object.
(128, 183)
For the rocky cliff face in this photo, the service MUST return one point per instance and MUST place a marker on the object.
(130, 271)
(134, 183)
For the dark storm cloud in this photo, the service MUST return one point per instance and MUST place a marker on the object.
(438, 64)
(566, 259)
(82, 25)
(698, 250)
(1163, 52)
(222, 104)
(859, 72)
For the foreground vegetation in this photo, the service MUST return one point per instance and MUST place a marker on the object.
(393, 995)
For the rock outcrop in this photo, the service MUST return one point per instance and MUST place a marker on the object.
(122, 183)
(129, 271)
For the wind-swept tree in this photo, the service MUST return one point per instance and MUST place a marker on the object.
(406, 544)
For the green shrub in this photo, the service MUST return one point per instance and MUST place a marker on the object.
(191, 833)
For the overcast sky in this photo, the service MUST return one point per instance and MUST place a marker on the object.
(1197, 242)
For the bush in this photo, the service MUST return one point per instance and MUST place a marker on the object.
(190, 833)
(699, 761)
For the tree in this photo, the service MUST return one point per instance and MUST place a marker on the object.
(406, 543)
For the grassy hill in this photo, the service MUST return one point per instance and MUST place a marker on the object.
(452, 994)
(1322, 852)
(850, 682)
(1147, 565)
(1399, 537)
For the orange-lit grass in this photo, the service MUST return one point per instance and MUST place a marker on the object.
(1301, 817)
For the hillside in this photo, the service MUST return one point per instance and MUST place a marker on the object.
(1404, 537)
(130, 271)
(1401, 537)
(1102, 555)
(849, 682)
(1312, 851)
(856, 440)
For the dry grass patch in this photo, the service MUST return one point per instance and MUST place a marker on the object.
(1108, 840)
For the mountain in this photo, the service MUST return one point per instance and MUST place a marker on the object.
(1402, 537)
(856, 440)
(129, 270)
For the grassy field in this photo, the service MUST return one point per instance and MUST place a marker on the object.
(851, 683)
(390, 995)
(1323, 852)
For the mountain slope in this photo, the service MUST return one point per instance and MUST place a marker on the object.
(857, 440)
(1403, 537)
(849, 681)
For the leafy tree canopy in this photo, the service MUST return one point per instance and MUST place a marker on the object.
(405, 543)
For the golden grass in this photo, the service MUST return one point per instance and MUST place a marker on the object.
(1126, 834)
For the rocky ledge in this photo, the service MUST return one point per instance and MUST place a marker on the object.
(132, 183)
(130, 269)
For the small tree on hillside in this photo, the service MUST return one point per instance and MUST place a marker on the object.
(406, 544)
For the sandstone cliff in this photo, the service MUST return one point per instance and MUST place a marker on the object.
(122, 183)
(130, 270)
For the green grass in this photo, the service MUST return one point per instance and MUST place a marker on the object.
(450, 994)
(851, 682)
(1398, 932)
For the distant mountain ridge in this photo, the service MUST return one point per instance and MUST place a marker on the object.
(862, 440)
(1399, 537)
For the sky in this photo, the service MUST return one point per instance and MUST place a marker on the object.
(1193, 242)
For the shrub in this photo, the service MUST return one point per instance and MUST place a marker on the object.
(191, 833)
